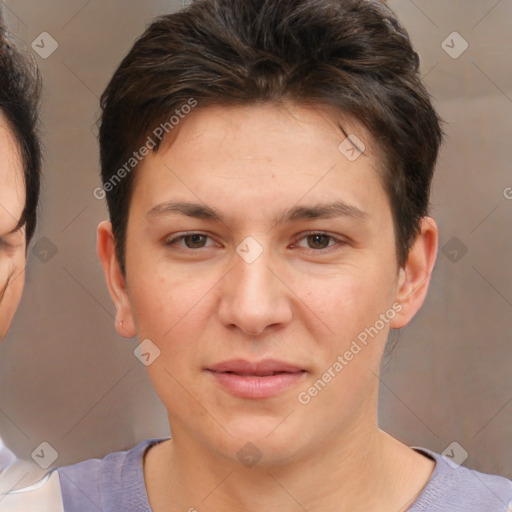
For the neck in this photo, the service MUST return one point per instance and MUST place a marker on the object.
(364, 469)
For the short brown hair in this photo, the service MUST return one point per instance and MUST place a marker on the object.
(350, 55)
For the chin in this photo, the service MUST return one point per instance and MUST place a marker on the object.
(266, 439)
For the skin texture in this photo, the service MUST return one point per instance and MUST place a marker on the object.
(303, 301)
(12, 241)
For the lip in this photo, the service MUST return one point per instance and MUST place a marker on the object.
(262, 379)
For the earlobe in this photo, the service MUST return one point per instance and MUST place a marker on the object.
(120, 327)
(115, 280)
(414, 276)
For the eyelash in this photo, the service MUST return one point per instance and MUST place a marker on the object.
(338, 241)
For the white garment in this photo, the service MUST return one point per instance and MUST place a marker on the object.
(44, 496)
(6, 456)
(16, 473)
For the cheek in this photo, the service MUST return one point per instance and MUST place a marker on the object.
(11, 294)
(172, 312)
(350, 354)
(349, 300)
(165, 305)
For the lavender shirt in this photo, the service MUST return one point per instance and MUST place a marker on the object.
(116, 484)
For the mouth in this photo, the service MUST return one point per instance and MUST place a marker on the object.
(256, 368)
(266, 374)
(263, 379)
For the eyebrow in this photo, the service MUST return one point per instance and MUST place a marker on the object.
(321, 211)
(297, 213)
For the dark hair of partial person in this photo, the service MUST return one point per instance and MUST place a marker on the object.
(351, 56)
(20, 87)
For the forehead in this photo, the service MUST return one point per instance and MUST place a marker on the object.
(12, 188)
(233, 154)
(234, 129)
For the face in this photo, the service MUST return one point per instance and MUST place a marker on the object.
(260, 260)
(12, 240)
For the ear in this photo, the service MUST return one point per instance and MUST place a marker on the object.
(125, 326)
(414, 276)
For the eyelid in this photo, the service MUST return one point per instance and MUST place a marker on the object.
(338, 240)
(181, 236)
(12, 241)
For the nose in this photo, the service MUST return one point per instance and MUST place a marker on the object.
(254, 297)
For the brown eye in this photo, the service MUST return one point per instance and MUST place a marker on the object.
(195, 241)
(318, 241)
(191, 241)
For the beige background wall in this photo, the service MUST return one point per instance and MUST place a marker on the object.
(67, 378)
